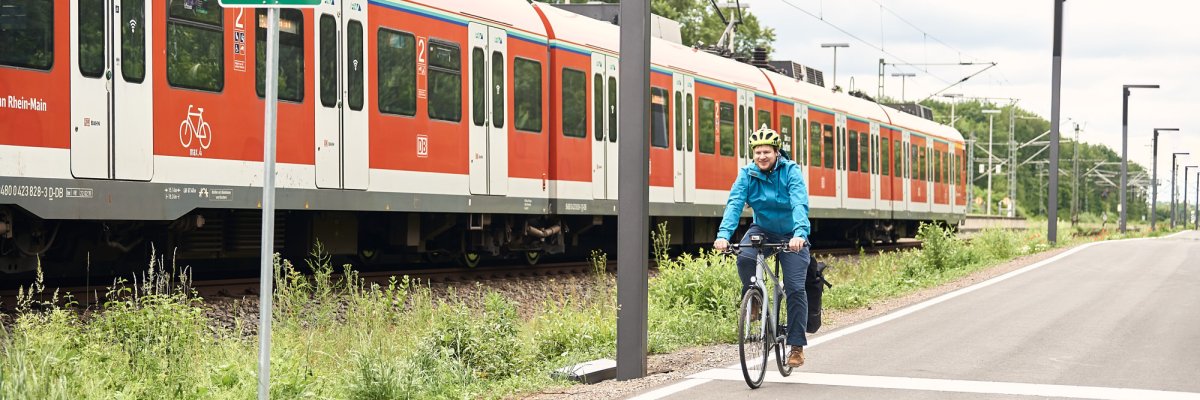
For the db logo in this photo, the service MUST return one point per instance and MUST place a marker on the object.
(422, 146)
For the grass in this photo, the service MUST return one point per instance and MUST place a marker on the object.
(336, 337)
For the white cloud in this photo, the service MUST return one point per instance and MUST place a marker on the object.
(1107, 43)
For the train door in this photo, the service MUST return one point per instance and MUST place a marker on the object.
(488, 92)
(800, 143)
(842, 181)
(604, 108)
(906, 171)
(341, 113)
(875, 167)
(685, 157)
(111, 135)
(745, 124)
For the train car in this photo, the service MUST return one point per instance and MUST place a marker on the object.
(407, 131)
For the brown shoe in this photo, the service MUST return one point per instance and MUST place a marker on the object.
(796, 358)
(755, 311)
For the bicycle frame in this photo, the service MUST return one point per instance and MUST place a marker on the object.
(772, 298)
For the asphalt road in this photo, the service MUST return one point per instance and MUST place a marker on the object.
(1112, 320)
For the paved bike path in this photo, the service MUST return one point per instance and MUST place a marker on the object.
(1108, 320)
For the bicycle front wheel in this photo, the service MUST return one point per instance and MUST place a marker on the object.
(752, 341)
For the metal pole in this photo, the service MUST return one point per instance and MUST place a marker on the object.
(835, 67)
(1154, 184)
(1125, 145)
(971, 172)
(1124, 153)
(1055, 78)
(1196, 222)
(267, 256)
(1075, 180)
(633, 220)
(1174, 174)
(1183, 218)
(989, 170)
(1012, 160)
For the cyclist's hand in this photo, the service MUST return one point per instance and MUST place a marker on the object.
(795, 244)
(721, 245)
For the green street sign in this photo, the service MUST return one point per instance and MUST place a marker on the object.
(270, 3)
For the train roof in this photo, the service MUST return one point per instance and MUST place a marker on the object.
(586, 34)
(512, 14)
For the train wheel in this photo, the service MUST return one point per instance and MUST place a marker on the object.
(532, 257)
(471, 259)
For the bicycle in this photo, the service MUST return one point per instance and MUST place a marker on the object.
(200, 129)
(753, 329)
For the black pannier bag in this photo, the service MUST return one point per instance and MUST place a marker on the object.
(814, 286)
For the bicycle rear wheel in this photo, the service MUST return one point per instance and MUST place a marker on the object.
(753, 345)
(781, 345)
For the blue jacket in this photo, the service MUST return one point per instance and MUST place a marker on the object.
(779, 200)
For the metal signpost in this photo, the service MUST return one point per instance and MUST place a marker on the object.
(267, 255)
(633, 191)
(1056, 80)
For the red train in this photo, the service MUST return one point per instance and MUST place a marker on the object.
(437, 128)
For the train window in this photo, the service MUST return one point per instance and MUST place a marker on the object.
(91, 38)
(291, 54)
(937, 166)
(678, 120)
(801, 141)
(354, 64)
(29, 41)
(397, 82)
(327, 64)
(498, 95)
(864, 151)
(133, 41)
(612, 109)
(708, 126)
(785, 130)
(912, 162)
(658, 117)
(478, 87)
(924, 164)
(764, 118)
(854, 150)
(195, 45)
(690, 123)
(726, 129)
(898, 159)
(741, 126)
(598, 106)
(527, 95)
(444, 81)
(829, 153)
(814, 144)
(885, 157)
(574, 103)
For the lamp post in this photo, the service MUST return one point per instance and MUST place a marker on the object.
(991, 117)
(1183, 193)
(1196, 222)
(835, 46)
(1125, 144)
(1154, 180)
(1174, 174)
(903, 78)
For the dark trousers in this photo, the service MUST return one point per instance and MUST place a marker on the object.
(795, 269)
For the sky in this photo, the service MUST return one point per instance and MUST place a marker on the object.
(1106, 44)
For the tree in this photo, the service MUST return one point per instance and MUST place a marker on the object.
(700, 24)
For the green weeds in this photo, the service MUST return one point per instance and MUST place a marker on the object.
(336, 336)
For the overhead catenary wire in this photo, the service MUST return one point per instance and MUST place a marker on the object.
(860, 39)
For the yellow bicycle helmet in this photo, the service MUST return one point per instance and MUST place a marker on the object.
(765, 135)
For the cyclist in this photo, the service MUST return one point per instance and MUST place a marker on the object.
(774, 187)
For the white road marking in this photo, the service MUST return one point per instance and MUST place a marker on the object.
(672, 389)
(954, 385)
(698, 379)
